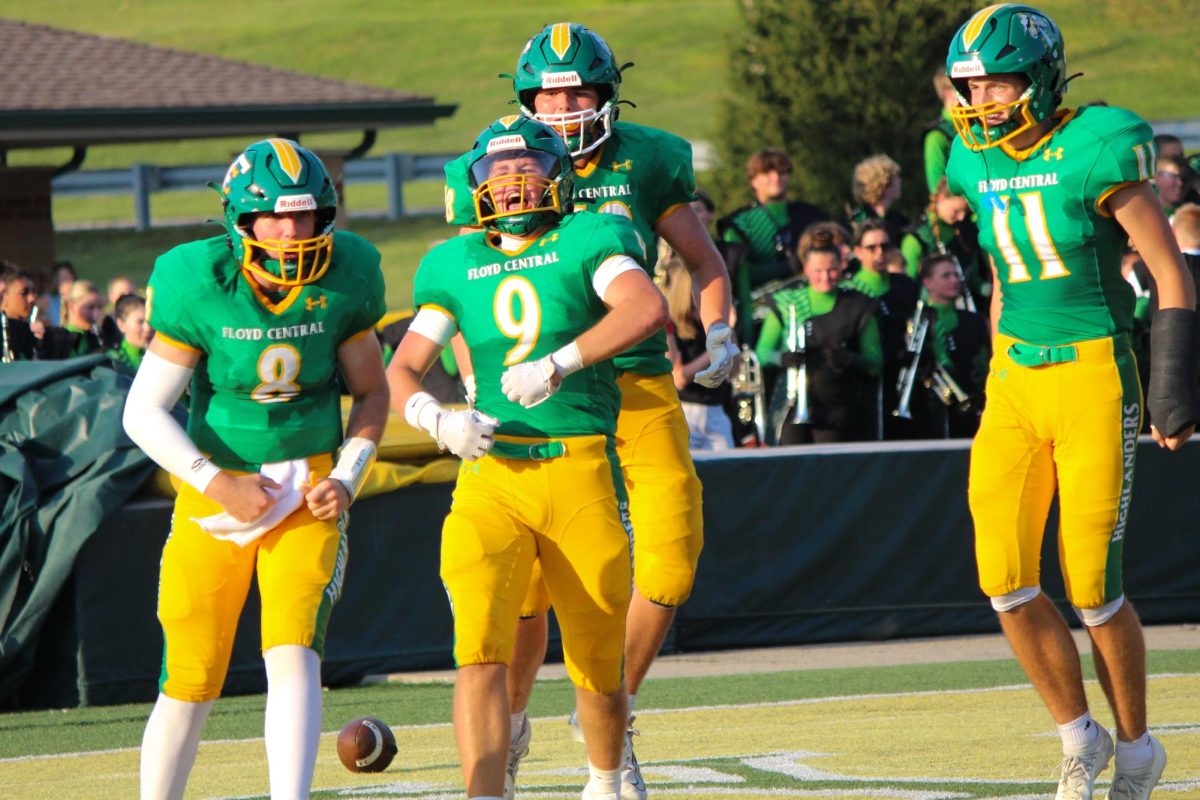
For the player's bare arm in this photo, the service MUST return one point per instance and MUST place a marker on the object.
(636, 309)
(362, 368)
(1137, 208)
(685, 233)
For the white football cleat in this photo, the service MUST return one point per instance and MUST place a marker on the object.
(1079, 770)
(516, 751)
(632, 785)
(591, 794)
(1136, 784)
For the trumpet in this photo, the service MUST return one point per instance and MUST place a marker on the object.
(918, 328)
(797, 376)
(942, 383)
(6, 353)
(749, 393)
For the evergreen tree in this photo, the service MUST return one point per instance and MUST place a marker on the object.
(831, 82)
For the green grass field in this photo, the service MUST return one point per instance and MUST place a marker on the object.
(929, 732)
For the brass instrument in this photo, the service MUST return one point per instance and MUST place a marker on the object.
(797, 376)
(749, 393)
(6, 353)
(914, 342)
(942, 383)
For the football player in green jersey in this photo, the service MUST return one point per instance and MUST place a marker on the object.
(1056, 192)
(258, 322)
(567, 77)
(543, 299)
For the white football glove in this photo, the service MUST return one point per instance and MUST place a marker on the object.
(469, 387)
(721, 352)
(532, 382)
(466, 433)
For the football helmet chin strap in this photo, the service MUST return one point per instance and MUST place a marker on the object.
(579, 129)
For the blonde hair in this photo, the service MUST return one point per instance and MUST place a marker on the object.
(872, 177)
(80, 290)
(1185, 222)
(681, 306)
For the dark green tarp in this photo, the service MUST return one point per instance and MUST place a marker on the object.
(65, 467)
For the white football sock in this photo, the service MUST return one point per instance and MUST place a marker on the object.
(1132, 756)
(169, 746)
(518, 722)
(1079, 733)
(604, 781)
(293, 720)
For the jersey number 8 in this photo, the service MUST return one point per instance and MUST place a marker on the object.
(278, 367)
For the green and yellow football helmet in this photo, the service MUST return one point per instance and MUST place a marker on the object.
(1006, 38)
(521, 176)
(566, 54)
(278, 175)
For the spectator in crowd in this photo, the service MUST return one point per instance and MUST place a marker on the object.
(62, 275)
(876, 187)
(1172, 181)
(1185, 223)
(826, 340)
(961, 349)
(765, 233)
(832, 231)
(1168, 145)
(1137, 275)
(939, 132)
(709, 427)
(118, 287)
(17, 340)
(706, 209)
(945, 227)
(129, 316)
(897, 295)
(78, 335)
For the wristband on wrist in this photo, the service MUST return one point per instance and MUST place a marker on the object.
(567, 359)
(423, 411)
(353, 464)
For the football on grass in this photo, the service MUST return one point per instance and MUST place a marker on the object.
(366, 745)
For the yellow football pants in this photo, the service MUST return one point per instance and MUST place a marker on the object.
(563, 512)
(204, 582)
(1071, 426)
(664, 494)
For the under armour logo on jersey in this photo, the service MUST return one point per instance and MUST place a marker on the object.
(545, 240)
(1049, 154)
(627, 165)
(312, 302)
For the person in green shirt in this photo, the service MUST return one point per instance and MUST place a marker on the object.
(946, 227)
(939, 132)
(764, 235)
(876, 187)
(1057, 192)
(961, 349)
(826, 341)
(129, 313)
(78, 335)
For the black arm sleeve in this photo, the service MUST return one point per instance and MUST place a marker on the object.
(1173, 397)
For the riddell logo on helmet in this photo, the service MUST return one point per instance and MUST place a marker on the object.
(296, 202)
(556, 79)
(514, 142)
(968, 69)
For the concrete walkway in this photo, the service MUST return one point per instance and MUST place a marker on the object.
(984, 647)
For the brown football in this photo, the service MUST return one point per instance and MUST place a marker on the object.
(366, 745)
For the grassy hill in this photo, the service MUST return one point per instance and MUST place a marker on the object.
(1137, 55)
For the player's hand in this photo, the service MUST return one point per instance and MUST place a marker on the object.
(721, 352)
(244, 497)
(1172, 442)
(531, 382)
(466, 433)
(327, 499)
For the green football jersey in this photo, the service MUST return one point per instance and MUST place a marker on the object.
(265, 388)
(516, 307)
(641, 174)
(1043, 221)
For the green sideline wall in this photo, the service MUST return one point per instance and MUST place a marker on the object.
(803, 545)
